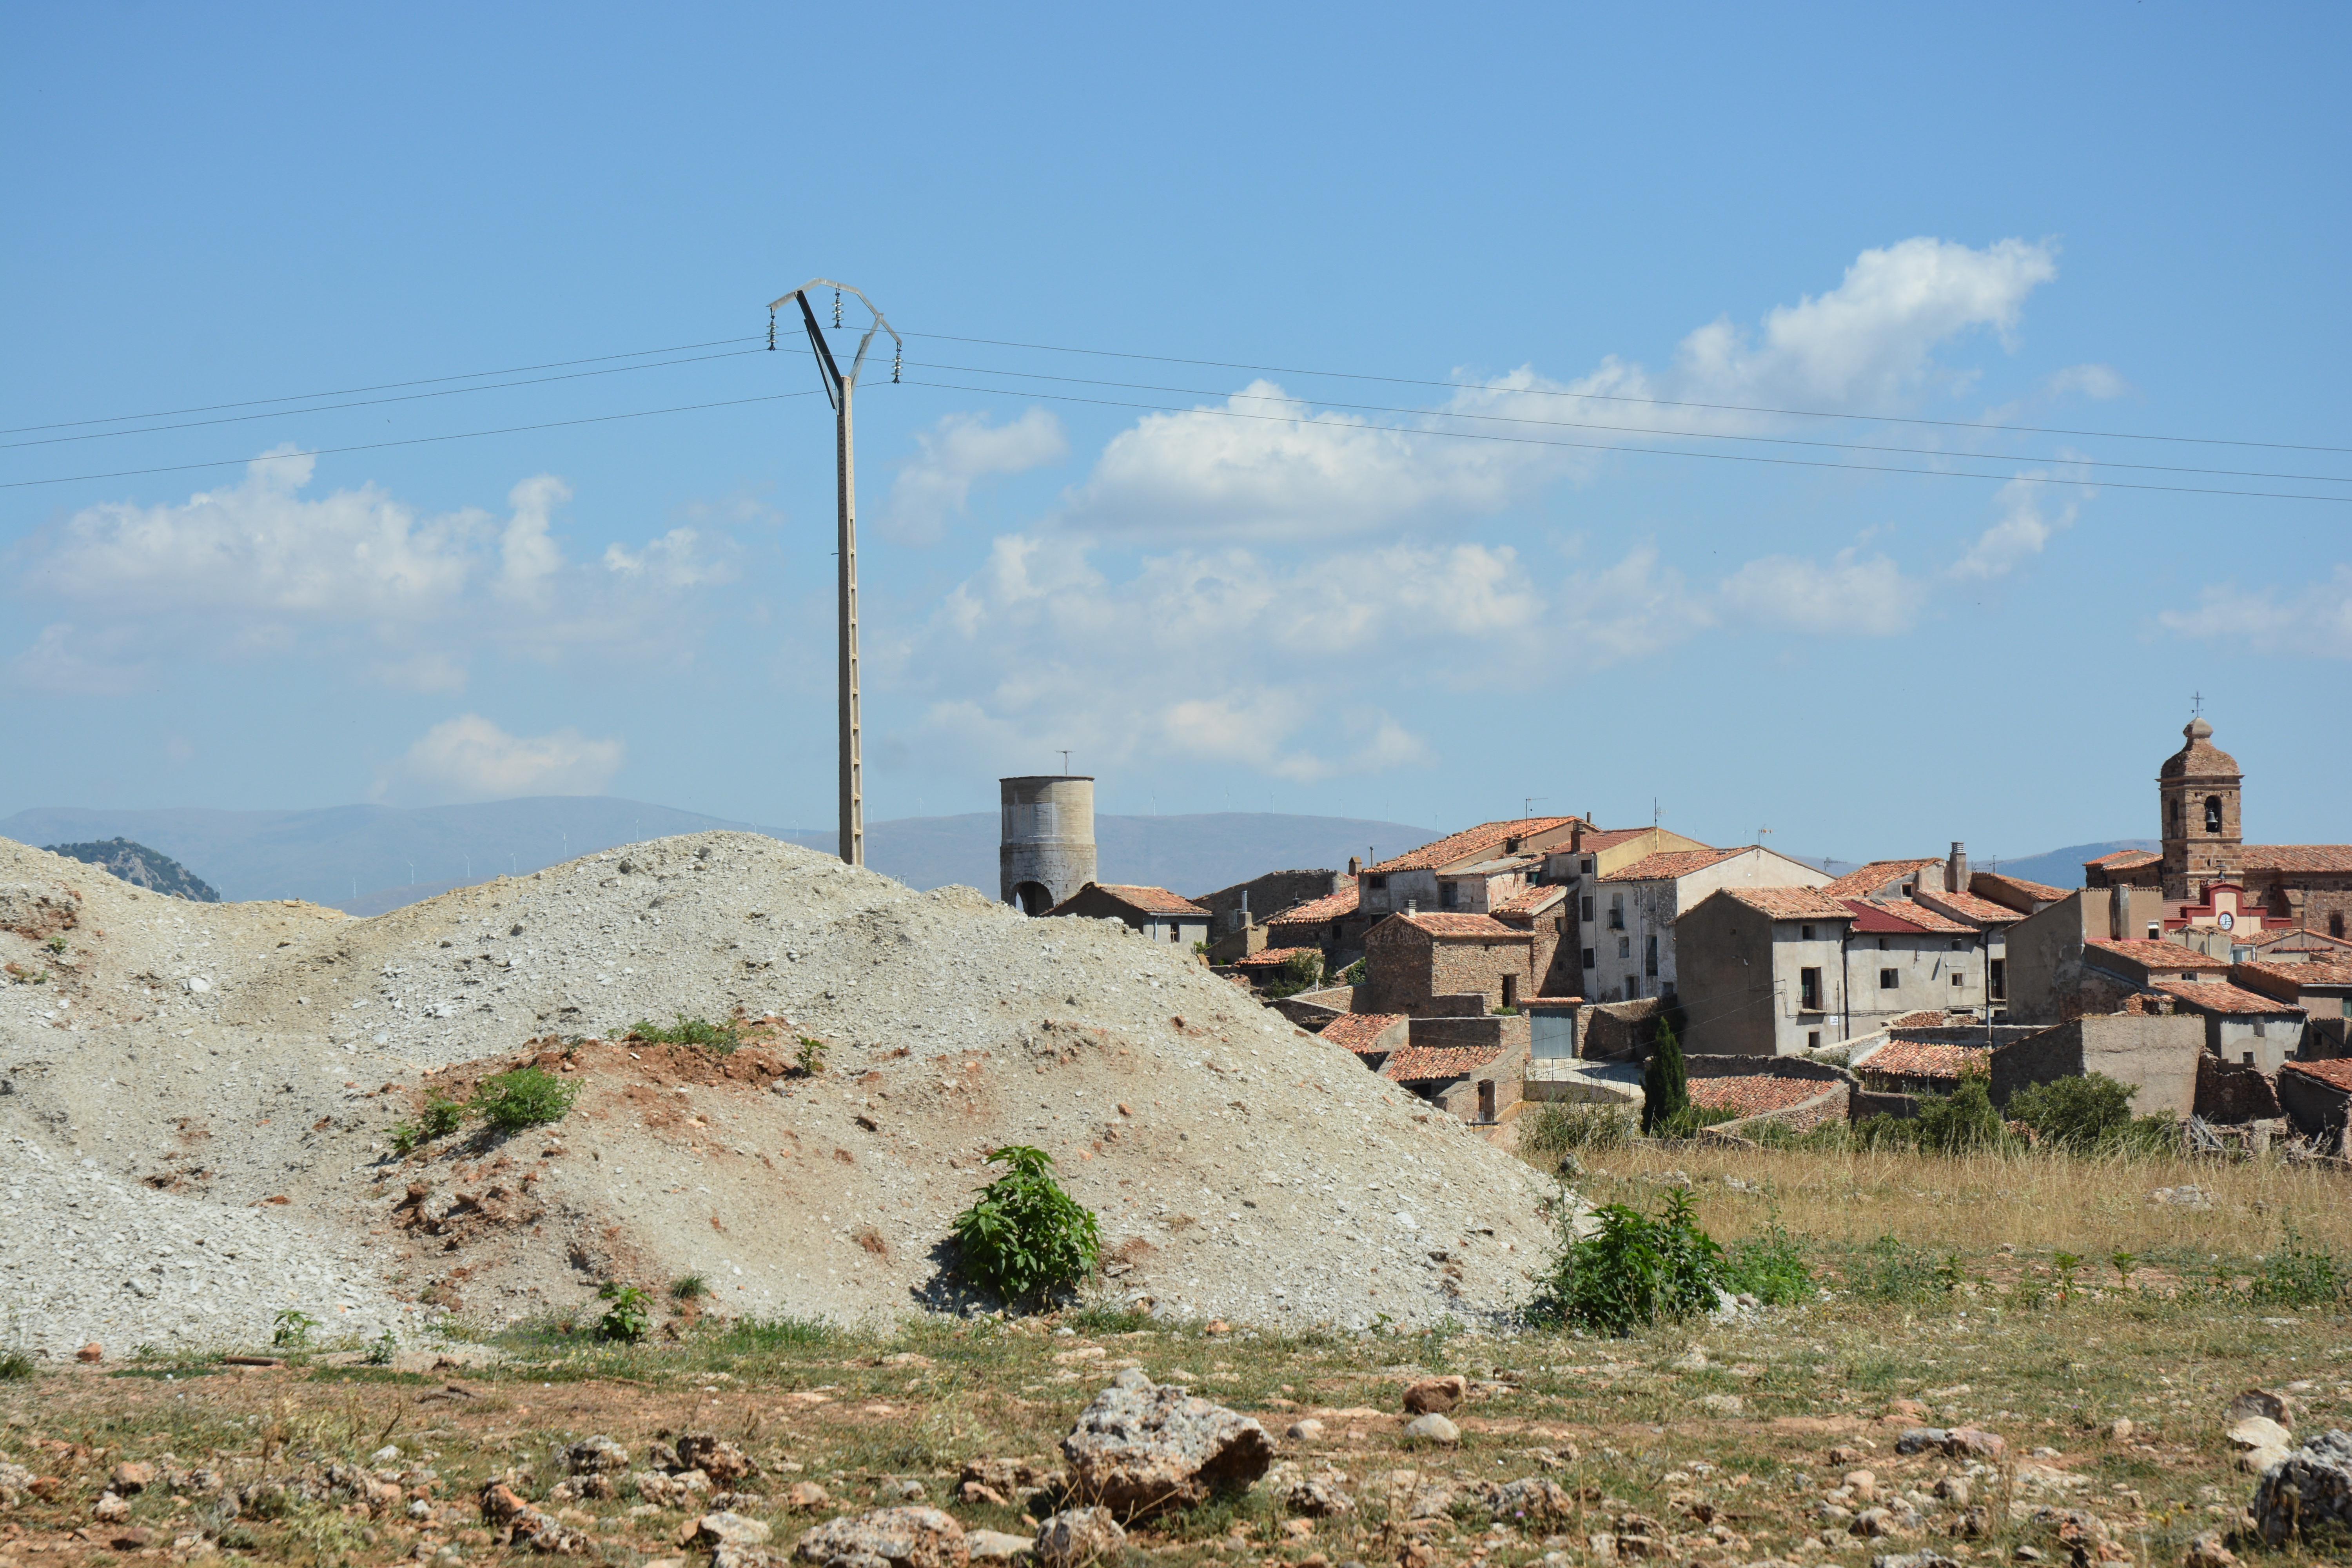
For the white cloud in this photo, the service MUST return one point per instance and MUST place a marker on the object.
(955, 454)
(1851, 596)
(59, 665)
(2315, 623)
(528, 557)
(672, 561)
(471, 757)
(2022, 532)
(2101, 382)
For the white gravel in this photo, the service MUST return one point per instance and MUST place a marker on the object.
(194, 1062)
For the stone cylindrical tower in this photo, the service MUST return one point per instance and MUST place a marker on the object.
(1047, 849)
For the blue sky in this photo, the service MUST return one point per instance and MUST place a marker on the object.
(2104, 217)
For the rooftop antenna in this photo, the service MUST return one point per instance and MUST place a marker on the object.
(1065, 761)
(1530, 801)
(838, 386)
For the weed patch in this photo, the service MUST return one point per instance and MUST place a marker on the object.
(523, 1097)
(1633, 1272)
(1024, 1239)
(719, 1040)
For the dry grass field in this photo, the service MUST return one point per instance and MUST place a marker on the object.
(1951, 1301)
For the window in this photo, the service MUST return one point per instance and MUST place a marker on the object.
(1884, 945)
(1587, 914)
(1625, 947)
(1995, 989)
(1958, 945)
(2262, 1029)
(2248, 1059)
(1616, 911)
(2212, 814)
(1889, 979)
(2336, 924)
(1805, 933)
(1380, 884)
(1960, 977)
(1633, 989)
(1908, 888)
(1510, 989)
(1648, 955)
(1590, 959)
(1813, 1039)
(1587, 865)
(1176, 934)
(1449, 894)
(1808, 990)
(1486, 1100)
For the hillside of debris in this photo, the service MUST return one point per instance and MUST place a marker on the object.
(206, 1067)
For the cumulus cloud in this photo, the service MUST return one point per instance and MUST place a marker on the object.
(674, 560)
(1848, 595)
(935, 485)
(2315, 623)
(2022, 532)
(1269, 465)
(471, 757)
(2101, 382)
(528, 557)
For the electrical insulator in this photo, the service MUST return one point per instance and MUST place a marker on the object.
(772, 329)
(836, 309)
(898, 358)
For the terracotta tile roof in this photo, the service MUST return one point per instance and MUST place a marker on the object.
(1496, 868)
(1788, 903)
(2325, 943)
(1149, 901)
(1668, 863)
(1527, 1002)
(2300, 975)
(2221, 996)
(1894, 916)
(1924, 1018)
(1877, 875)
(2292, 857)
(2200, 757)
(1470, 841)
(1318, 911)
(2123, 860)
(1422, 1064)
(1966, 907)
(2335, 1073)
(1597, 840)
(2038, 892)
(1448, 925)
(1272, 956)
(1529, 901)
(1361, 1032)
(2156, 955)
(1939, 1060)
(1755, 1092)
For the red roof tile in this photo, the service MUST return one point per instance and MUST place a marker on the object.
(1423, 1064)
(2221, 996)
(1318, 912)
(1966, 907)
(1788, 903)
(1753, 1093)
(1441, 925)
(2034, 892)
(1928, 1058)
(2200, 757)
(2300, 975)
(2123, 860)
(1898, 916)
(1668, 863)
(1877, 875)
(2164, 955)
(1361, 1032)
(1149, 900)
(2336, 1073)
(2317, 941)
(2293, 857)
(1530, 901)
(1470, 841)
(1924, 1018)
(1528, 1003)
(1272, 956)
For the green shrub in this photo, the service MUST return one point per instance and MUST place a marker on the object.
(16, 1366)
(405, 1138)
(1770, 1267)
(1666, 1086)
(1686, 1122)
(689, 1288)
(1354, 973)
(626, 1321)
(1959, 1122)
(291, 1330)
(721, 1039)
(1557, 1127)
(382, 1350)
(1633, 1272)
(811, 1056)
(526, 1097)
(441, 1116)
(1299, 971)
(2299, 1276)
(1891, 1270)
(1025, 1238)
(2074, 1113)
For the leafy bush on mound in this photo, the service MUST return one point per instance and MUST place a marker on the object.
(1633, 1272)
(1024, 1239)
(525, 1097)
(2091, 1114)
(626, 1321)
(720, 1040)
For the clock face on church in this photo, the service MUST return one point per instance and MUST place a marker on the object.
(2227, 920)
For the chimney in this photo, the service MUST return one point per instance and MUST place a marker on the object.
(1956, 868)
(1412, 906)
(1355, 868)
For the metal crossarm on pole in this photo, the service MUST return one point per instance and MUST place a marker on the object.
(838, 388)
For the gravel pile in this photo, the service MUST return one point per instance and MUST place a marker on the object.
(203, 1060)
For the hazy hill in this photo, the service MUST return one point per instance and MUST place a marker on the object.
(140, 867)
(2064, 867)
(371, 858)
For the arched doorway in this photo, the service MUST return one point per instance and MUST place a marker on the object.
(1032, 897)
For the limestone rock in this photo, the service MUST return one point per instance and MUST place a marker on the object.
(131, 1478)
(596, 1456)
(1433, 1428)
(1318, 1496)
(1308, 1431)
(901, 1537)
(805, 1495)
(996, 1545)
(1434, 1395)
(1140, 1448)
(2307, 1493)
(526, 1526)
(1912, 1560)
(1722, 1404)
(1535, 1500)
(723, 1462)
(2262, 1402)
(110, 1508)
(2261, 1443)
(730, 1530)
(1079, 1536)
(2208, 1551)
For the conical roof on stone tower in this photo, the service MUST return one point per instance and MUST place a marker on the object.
(2199, 758)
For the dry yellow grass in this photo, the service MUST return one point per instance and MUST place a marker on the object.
(1977, 1203)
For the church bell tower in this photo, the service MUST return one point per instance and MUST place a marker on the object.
(2197, 791)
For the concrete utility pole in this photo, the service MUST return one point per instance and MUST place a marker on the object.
(837, 390)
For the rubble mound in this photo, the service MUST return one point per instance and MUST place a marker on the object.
(254, 1070)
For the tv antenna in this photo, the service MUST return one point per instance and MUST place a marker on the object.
(838, 387)
(1531, 805)
(1065, 761)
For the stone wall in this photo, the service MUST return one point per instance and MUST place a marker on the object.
(2155, 1054)
(1617, 1031)
(2231, 1092)
(2317, 1108)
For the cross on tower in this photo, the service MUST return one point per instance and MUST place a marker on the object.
(2196, 703)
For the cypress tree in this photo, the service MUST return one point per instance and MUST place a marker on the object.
(1665, 1088)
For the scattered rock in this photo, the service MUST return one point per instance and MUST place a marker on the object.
(1921, 1439)
(899, 1488)
(727, 1530)
(594, 1456)
(1723, 1405)
(2263, 1403)
(131, 1478)
(1432, 1429)
(901, 1537)
(981, 1493)
(1535, 1500)
(805, 1495)
(2120, 1429)
(1318, 1496)
(2186, 1197)
(1140, 1448)
(1976, 1443)
(1911, 1560)
(91, 1353)
(1308, 1431)
(1079, 1536)
(525, 1526)
(1874, 1522)
(1434, 1395)
(2307, 1493)
(2208, 1551)
(110, 1508)
(1863, 1484)
(2261, 1443)
(996, 1545)
(723, 1462)
(1955, 1490)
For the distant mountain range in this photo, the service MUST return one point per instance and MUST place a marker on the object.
(2064, 867)
(369, 859)
(140, 867)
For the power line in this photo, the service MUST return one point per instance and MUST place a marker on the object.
(1644, 450)
(411, 441)
(1657, 401)
(385, 387)
(376, 401)
(1643, 430)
